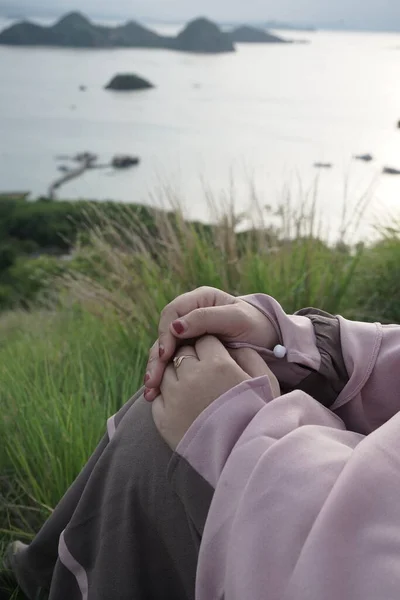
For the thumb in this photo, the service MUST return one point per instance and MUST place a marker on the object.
(251, 362)
(224, 321)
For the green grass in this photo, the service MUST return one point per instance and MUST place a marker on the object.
(61, 376)
(65, 369)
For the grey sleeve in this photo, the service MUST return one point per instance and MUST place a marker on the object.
(326, 384)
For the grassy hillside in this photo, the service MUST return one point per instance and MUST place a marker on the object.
(46, 230)
(68, 363)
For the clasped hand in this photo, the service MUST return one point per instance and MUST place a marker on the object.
(207, 372)
(213, 317)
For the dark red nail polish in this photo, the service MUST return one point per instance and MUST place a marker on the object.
(178, 326)
(161, 351)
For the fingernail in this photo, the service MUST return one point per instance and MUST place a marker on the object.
(146, 393)
(179, 327)
(161, 351)
(146, 378)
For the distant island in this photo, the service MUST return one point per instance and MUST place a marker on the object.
(269, 25)
(252, 35)
(127, 82)
(74, 30)
(288, 26)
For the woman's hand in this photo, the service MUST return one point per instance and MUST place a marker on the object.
(205, 311)
(210, 371)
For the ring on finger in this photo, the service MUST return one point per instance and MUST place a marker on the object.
(178, 360)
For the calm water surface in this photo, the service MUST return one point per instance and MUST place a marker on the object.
(264, 114)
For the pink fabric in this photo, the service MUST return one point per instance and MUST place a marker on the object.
(294, 332)
(220, 442)
(371, 353)
(304, 508)
(372, 356)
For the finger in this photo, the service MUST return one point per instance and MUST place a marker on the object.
(179, 307)
(169, 382)
(251, 363)
(186, 365)
(154, 374)
(182, 306)
(158, 410)
(209, 348)
(151, 394)
(153, 358)
(154, 369)
(224, 321)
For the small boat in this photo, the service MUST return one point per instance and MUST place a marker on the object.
(321, 165)
(390, 171)
(124, 161)
(364, 157)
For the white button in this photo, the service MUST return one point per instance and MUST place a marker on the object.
(280, 351)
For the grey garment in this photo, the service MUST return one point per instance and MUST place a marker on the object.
(326, 384)
(26, 579)
(122, 530)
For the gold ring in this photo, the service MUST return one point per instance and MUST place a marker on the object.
(178, 360)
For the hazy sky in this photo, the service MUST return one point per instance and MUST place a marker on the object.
(370, 13)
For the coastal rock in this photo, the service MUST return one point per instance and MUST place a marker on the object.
(252, 35)
(84, 160)
(203, 36)
(126, 82)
